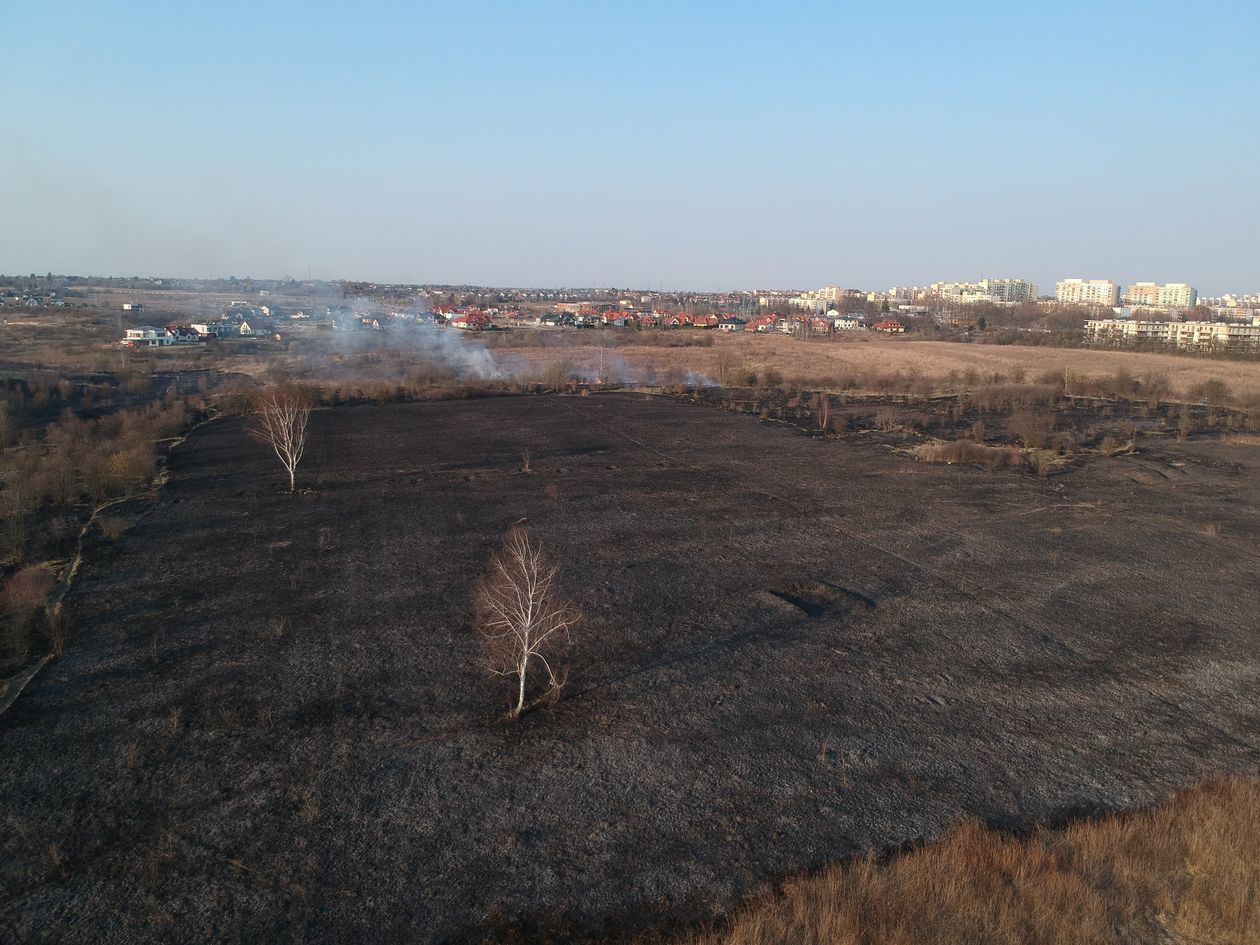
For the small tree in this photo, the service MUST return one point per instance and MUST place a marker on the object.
(280, 421)
(521, 614)
(822, 406)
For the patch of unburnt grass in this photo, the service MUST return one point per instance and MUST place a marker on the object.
(968, 451)
(1181, 872)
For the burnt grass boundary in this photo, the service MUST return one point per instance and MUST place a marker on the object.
(270, 725)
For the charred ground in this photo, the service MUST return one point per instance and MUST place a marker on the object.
(270, 723)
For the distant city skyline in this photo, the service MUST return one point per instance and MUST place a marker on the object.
(694, 146)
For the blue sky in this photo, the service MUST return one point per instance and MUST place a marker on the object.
(697, 145)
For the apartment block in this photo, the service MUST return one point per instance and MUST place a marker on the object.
(987, 290)
(1087, 292)
(1157, 295)
(1177, 295)
(1200, 335)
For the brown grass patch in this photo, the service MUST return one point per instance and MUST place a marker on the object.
(966, 451)
(1241, 439)
(1182, 872)
(859, 363)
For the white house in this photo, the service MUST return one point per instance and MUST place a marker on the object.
(146, 336)
(255, 326)
(844, 322)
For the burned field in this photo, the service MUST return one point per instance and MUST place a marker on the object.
(270, 722)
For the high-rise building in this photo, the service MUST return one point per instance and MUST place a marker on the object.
(1142, 293)
(1155, 295)
(987, 290)
(1087, 292)
(1177, 295)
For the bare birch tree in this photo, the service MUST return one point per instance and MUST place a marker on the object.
(521, 615)
(280, 421)
(822, 404)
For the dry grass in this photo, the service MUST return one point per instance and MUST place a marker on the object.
(1241, 439)
(1183, 872)
(967, 451)
(112, 527)
(973, 365)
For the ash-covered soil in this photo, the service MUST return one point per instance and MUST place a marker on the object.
(270, 724)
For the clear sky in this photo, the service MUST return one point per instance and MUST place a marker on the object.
(683, 144)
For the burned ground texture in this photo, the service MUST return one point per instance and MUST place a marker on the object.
(270, 724)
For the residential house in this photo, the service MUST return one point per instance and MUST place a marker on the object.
(184, 335)
(255, 327)
(763, 324)
(147, 336)
(473, 321)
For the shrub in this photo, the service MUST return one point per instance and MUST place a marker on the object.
(1010, 396)
(1185, 423)
(1033, 428)
(1155, 388)
(559, 374)
(26, 590)
(1074, 382)
(1110, 446)
(131, 467)
(21, 598)
(1043, 462)
(1214, 391)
